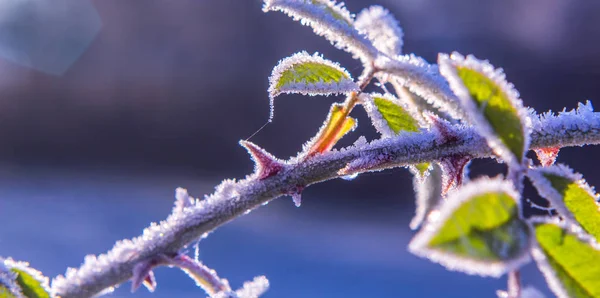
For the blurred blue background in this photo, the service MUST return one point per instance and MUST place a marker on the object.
(108, 106)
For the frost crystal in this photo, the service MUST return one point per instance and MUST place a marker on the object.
(422, 79)
(562, 128)
(182, 200)
(382, 29)
(328, 19)
(308, 75)
(448, 68)
(8, 280)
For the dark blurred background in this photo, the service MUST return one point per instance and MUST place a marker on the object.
(107, 106)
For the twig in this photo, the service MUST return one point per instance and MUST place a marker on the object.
(233, 199)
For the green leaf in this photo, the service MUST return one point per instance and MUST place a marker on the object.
(491, 103)
(572, 197)
(476, 230)
(388, 115)
(309, 75)
(30, 282)
(5, 293)
(30, 286)
(569, 261)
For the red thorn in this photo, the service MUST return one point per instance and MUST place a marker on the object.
(547, 156)
(265, 164)
(453, 167)
(150, 282)
(443, 127)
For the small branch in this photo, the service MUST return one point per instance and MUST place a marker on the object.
(233, 199)
(514, 284)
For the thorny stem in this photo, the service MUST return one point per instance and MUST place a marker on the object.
(233, 199)
(514, 284)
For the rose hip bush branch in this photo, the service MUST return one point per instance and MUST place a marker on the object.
(433, 119)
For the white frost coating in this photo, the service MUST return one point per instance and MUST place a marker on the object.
(24, 266)
(545, 189)
(254, 288)
(381, 125)
(527, 292)
(428, 192)
(542, 260)
(583, 120)
(448, 65)
(345, 85)
(339, 31)
(421, 78)
(382, 29)
(419, 244)
(182, 200)
(8, 279)
(179, 230)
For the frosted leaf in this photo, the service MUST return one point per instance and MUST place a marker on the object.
(308, 75)
(422, 79)
(569, 194)
(8, 284)
(382, 29)
(476, 230)
(491, 103)
(30, 282)
(428, 191)
(265, 164)
(333, 129)
(388, 114)
(328, 19)
(568, 258)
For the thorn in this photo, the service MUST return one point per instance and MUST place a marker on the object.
(453, 168)
(547, 156)
(443, 127)
(296, 194)
(150, 282)
(265, 164)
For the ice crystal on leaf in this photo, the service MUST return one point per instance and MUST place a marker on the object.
(308, 75)
(388, 114)
(328, 19)
(491, 104)
(382, 29)
(570, 195)
(28, 282)
(476, 230)
(568, 258)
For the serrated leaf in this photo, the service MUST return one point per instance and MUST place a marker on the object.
(389, 116)
(476, 230)
(568, 192)
(491, 103)
(570, 261)
(334, 128)
(30, 286)
(309, 75)
(328, 19)
(31, 283)
(382, 29)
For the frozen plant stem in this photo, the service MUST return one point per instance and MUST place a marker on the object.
(233, 199)
(514, 284)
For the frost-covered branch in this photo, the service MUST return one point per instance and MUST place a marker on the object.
(235, 198)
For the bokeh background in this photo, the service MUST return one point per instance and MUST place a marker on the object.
(107, 106)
